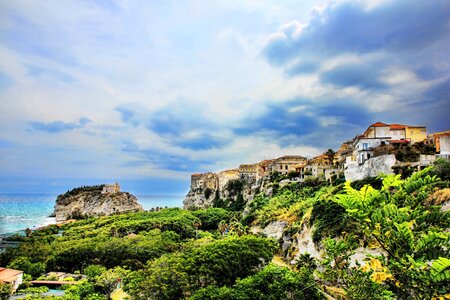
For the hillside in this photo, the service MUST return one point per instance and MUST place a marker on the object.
(383, 238)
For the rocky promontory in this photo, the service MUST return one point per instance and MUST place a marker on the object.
(100, 200)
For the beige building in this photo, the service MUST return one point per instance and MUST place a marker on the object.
(10, 276)
(204, 180)
(317, 166)
(380, 134)
(286, 164)
(249, 169)
(225, 176)
(264, 168)
(396, 132)
(111, 188)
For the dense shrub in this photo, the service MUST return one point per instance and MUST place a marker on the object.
(218, 263)
(211, 217)
(270, 283)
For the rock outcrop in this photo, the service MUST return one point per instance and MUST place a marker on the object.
(91, 201)
(210, 190)
(371, 168)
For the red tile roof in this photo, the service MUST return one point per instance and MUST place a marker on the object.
(378, 124)
(398, 126)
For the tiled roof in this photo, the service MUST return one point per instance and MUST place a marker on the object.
(397, 126)
(378, 124)
(442, 133)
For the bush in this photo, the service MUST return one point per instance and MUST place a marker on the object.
(441, 168)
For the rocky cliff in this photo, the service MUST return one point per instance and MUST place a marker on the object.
(90, 201)
(232, 193)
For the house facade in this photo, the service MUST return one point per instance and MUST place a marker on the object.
(442, 142)
(379, 134)
(287, 163)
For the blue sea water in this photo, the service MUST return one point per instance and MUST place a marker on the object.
(20, 211)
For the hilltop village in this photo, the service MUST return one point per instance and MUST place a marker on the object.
(382, 148)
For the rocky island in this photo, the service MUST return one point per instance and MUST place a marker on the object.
(99, 200)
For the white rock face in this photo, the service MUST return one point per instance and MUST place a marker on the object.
(275, 229)
(94, 203)
(363, 253)
(304, 243)
(371, 168)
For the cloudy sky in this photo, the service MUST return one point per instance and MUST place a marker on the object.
(147, 92)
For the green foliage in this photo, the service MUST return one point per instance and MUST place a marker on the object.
(270, 283)
(81, 291)
(441, 168)
(33, 290)
(413, 235)
(5, 290)
(63, 198)
(173, 276)
(126, 239)
(329, 220)
(23, 263)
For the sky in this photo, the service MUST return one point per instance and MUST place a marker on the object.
(147, 92)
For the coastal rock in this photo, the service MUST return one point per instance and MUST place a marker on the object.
(91, 201)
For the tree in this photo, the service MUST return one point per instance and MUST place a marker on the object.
(272, 282)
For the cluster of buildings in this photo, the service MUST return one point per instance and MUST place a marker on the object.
(354, 152)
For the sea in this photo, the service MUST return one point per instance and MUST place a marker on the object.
(21, 211)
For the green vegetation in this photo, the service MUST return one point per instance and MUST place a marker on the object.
(209, 253)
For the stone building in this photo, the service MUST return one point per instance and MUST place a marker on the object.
(264, 168)
(111, 188)
(287, 163)
(204, 180)
(225, 176)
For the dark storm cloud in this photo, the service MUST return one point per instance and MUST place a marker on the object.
(348, 27)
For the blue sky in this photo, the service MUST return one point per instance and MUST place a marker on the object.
(147, 92)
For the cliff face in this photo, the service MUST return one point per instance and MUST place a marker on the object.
(91, 201)
(371, 168)
(232, 192)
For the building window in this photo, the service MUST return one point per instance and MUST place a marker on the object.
(365, 146)
(286, 167)
(368, 155)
